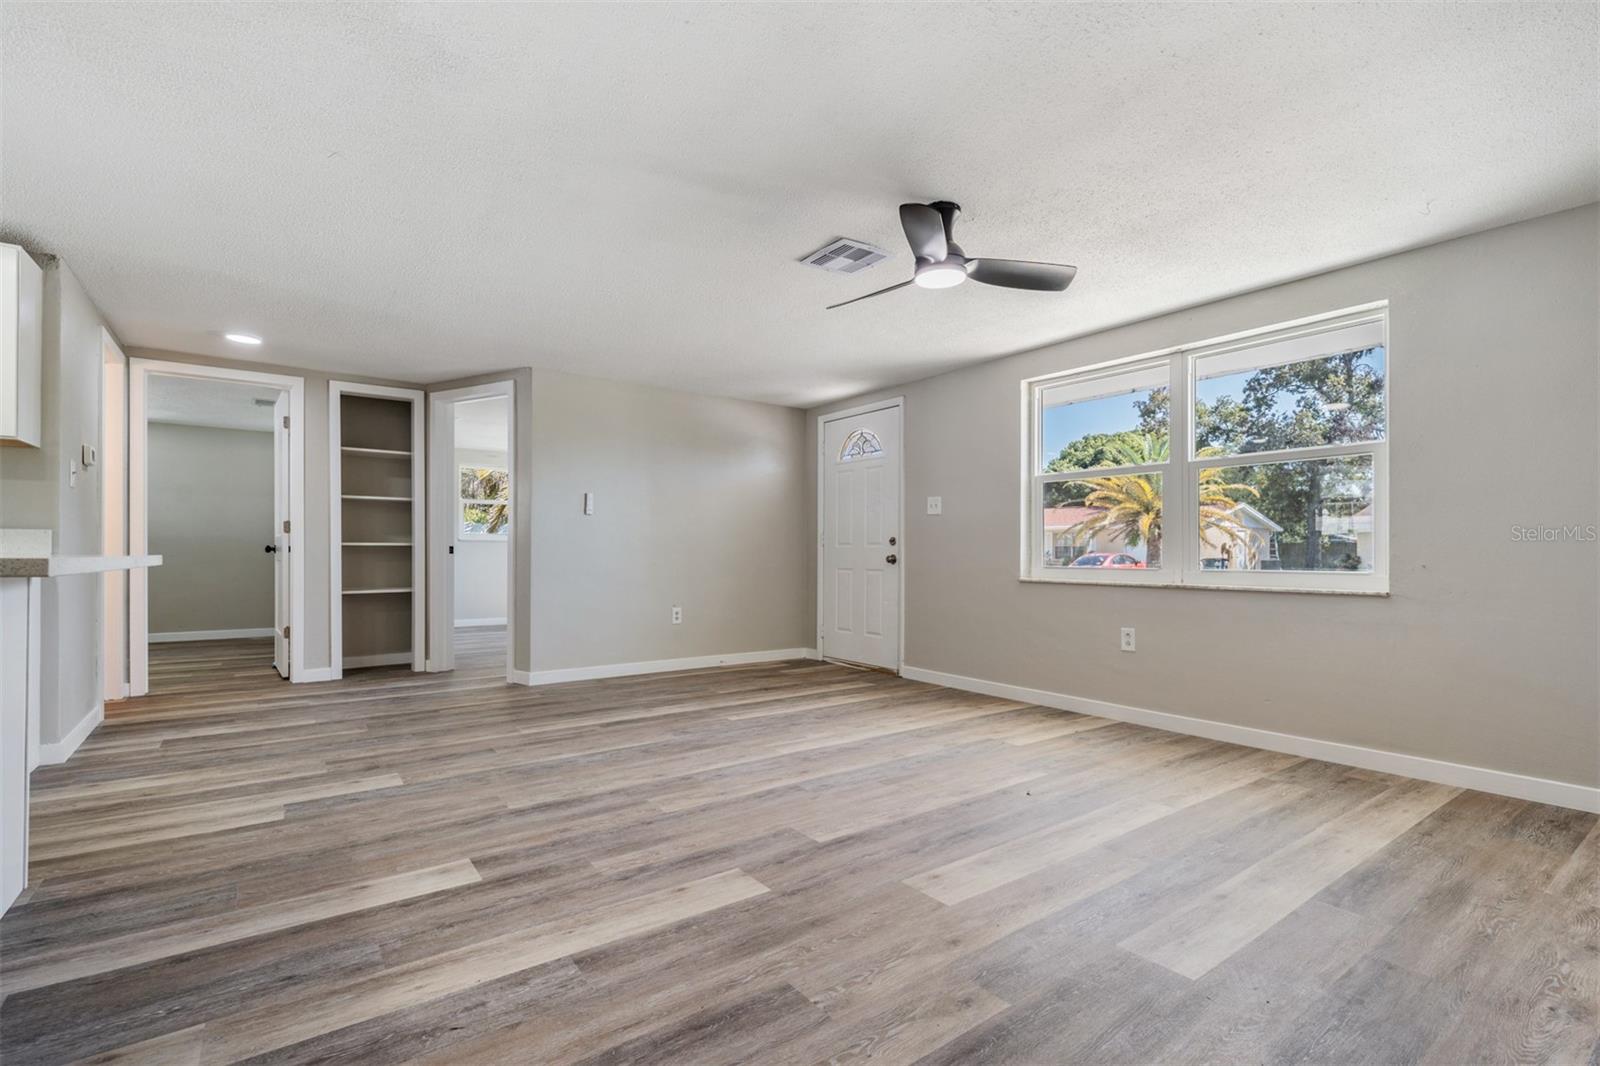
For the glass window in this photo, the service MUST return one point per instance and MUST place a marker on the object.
(1310, 514)
(1111, 522)
(485, 501)
(1283, 470)
(1099, 420)
(1273, 397)
(860, 444)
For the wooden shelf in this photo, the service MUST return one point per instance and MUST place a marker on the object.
(374, 592)
(385, 499)
(376, 544)
(373, 451)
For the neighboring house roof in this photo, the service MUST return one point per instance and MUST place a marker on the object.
(1064, 517)
(1254, 518)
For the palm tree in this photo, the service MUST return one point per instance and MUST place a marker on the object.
(1128, 506)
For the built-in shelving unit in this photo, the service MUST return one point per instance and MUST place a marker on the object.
(376, 510)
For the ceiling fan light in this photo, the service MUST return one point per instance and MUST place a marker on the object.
(940, 275)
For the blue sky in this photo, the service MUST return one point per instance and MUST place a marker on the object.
(1070, 422)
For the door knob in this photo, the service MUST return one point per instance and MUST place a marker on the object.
(891, 559)
(271, 548)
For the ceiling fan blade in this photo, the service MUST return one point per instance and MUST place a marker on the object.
(924, 231)
(869, 295)
(1021, 274)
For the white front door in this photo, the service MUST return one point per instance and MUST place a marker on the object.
(281, 542)
(859, 604)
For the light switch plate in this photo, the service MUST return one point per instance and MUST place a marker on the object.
(936, 505)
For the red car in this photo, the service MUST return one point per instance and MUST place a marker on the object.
(1105, 560)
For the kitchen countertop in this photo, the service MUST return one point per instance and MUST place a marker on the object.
(27, 553)
(62, 565)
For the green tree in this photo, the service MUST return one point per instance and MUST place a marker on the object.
(1335, 400)
(1128, 506)
(1085, 453)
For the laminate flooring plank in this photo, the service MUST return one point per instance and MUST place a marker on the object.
(768, 862)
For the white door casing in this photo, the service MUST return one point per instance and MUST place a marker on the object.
(858, 615)
(114, 518)
(282, 608)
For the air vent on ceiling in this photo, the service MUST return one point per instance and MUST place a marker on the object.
(846, 256)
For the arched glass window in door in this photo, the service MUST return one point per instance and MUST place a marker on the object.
(860, 444)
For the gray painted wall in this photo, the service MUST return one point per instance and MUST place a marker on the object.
(210, 503)
(1484, 654)
(38, 493)
(699, 501)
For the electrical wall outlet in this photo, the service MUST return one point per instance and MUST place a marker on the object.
(1127, 638)
(677, 615)
(936, 505)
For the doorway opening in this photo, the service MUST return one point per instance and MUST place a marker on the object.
(214, 486)
(472, 566)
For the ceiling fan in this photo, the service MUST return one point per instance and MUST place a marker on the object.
(930, 230)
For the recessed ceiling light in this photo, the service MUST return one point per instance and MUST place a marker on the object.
(243, 338)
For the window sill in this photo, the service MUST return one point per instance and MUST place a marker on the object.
(1189, 586)
(496, 538)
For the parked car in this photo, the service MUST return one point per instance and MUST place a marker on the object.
(1108, 561)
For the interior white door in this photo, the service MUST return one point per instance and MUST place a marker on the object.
(859, 604)
(444, 515)
(281, 540)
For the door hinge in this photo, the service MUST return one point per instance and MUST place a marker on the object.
(286, 632)
(286, 525)
(285, 421)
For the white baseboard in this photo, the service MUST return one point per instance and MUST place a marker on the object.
(476, 623)
(1499, 782)
(395, 658)
(209, 634)
(657, 666)
(321, 673)
(60, 751)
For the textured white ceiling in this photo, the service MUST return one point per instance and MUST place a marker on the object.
(424, 191)
(219, 404)
(482, 425)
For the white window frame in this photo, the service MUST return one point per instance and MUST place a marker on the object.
(462, 501)
(1181, 553)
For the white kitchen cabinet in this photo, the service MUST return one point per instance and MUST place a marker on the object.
(21, 334)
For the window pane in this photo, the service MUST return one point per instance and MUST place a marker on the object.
(1106, 523)
(484, 483)
(1310, 514)
(1115, 419)
(484, 518)
(1254, 401)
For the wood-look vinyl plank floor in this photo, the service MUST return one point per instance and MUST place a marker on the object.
(778, 862)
